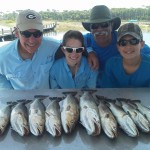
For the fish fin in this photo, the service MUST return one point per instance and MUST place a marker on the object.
(73, 93)
(41, 96)
(91, 91)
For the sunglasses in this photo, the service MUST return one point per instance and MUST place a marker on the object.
(131, 42)
(70, 49)
(102, 25)
(28, 34)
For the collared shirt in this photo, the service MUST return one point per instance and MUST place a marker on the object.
(28, 74)
(116, 77)
(105, 53)
(61, 76)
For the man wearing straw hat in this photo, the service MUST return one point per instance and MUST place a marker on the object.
(103, 35)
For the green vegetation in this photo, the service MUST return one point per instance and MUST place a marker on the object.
(72, 19)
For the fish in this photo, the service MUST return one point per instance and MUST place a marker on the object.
(89, 115)
(5, 111)
(123, 119)
(53, 118)
(138, 118)
(19, 119)
(143, 109)
(37, 117)
(108, 121)
(69, 112)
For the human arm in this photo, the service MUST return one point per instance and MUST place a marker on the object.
(91, 83)
(4, 83)
(92, 58)
(53, 81)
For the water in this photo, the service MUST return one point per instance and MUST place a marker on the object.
(58, 36)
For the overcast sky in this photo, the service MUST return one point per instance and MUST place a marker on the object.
(60, 5)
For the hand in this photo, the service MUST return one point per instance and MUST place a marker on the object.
(93, 60)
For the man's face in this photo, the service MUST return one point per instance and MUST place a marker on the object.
(102, 33)
(30, 40)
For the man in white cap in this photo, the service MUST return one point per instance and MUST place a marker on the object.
(102, 36)
(26, 61)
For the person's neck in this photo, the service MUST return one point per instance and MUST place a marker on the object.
(106, 42)
(74, 69)
(24, 54)
(130, 66)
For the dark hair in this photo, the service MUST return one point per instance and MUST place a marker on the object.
(74, 34)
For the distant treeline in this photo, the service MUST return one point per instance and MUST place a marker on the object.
(140, 14)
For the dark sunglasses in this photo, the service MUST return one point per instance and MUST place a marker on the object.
(131, 42)
(70, 49)
(28, 34)
(102, 25)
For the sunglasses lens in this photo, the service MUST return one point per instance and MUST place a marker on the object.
(132, 42)
(79, 50)
(37, 34)
(122, 42)
(102, 25)
(28, 34)
(69, 49)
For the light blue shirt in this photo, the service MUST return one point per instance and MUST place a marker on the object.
(27, 74)
(61, 76)
(116, 77)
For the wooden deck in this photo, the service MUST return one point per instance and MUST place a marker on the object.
(8, 35)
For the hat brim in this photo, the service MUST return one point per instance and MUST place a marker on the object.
(129, 33)
(24, 27)
(116, 23)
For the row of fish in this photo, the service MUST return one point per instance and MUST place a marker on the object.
(93, 113)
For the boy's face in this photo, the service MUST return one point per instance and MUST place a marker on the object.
(73, 58)
(130, 47)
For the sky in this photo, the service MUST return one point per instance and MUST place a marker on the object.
(60, 5)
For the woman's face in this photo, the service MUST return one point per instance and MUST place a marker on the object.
(72, 58)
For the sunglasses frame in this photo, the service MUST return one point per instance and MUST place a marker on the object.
(132, 41)
(95, 26)
(71, 49)
(27, 34)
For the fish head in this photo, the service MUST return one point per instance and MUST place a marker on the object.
(53, 127)
(36, 124)
(3, 124)
(20, 125)
(69, 121)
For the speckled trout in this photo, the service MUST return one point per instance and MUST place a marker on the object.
(37, 117)
(108, 121)
(69, 112)
(89, 115)
(53, 118)
(138, 118)
(19, 119)
(123, 119)
(5, 111)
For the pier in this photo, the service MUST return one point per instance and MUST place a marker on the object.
(8, 35)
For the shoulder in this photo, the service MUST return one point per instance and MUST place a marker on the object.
(146, 50)
(8, 49)
(145, 58)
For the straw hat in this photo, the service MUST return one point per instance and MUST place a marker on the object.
(99, 14)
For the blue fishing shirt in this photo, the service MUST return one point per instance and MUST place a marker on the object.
(61, 76)
(105, 53)
(27, 74)
(116, 77)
